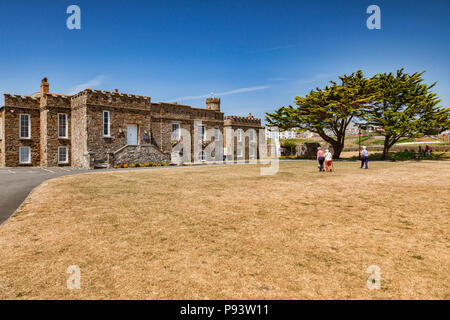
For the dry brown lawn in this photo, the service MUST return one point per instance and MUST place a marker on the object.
(226, 232)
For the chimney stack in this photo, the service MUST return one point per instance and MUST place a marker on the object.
(213, 104)
(45, 87)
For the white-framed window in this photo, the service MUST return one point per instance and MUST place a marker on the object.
(252, 135)
(24, 126)
(63, 125)
(176, 131)
(239, 153)
(217, 134)
(106, 124)
(252, 154)
(201, 132)
(63, 155)
(239, 135)
(24, 155)
(202, 156)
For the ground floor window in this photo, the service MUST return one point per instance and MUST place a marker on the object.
(239, 153)
(24, 155)
(63, 156)
(202, 156)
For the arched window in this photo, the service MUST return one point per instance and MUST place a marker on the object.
(202, 156)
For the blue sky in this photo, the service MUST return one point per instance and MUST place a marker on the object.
(255, 55)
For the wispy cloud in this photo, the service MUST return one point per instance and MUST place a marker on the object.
(281, 47)
(98, 80)
(315, 78)
(277, 79)
(240, 90)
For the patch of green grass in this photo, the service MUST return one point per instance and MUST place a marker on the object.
(405, 156)
(381, 142)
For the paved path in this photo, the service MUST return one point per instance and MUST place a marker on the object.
(17, 183)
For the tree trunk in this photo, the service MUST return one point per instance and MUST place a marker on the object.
(337, 149)
(385, 148)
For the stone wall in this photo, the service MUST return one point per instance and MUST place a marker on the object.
(164, 114)
(141, 153)
(2, 139)
(246, 124)
(86, 143)
(14, 106)
(79, 154)
(51, 107)
(98, 145)
(307, 150)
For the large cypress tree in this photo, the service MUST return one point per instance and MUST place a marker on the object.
(327, 111)
(404, 106)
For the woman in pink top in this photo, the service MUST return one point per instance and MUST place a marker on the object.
(320, 158)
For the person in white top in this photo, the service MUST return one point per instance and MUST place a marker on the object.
(328, 160)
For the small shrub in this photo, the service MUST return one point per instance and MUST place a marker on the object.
(137, 165)
(124, 165)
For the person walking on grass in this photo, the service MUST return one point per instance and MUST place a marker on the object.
(320, 158)
(364, 157)
(328, 160)
(428, 148)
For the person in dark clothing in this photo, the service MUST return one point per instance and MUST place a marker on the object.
(320, 158)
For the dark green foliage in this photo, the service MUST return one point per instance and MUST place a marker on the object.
(290, 145)
(404, 107)
(327, 111)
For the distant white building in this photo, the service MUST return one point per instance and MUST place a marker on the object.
(352, 129)
(289, 134)
(272, 133)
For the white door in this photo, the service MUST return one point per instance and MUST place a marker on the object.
(132, 132)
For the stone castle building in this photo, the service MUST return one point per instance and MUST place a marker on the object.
(100, 128)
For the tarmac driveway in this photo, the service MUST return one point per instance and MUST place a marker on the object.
(17, 183)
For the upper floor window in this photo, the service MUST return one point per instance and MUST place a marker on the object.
(63, 128)
(106, 124)
(176, 132)
(252, 135)
(201, 132)
(25, 126)
(217, 134)
(239, 135)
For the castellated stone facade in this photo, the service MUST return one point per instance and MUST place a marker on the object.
(101, 128)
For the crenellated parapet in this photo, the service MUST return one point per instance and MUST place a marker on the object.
(19, 101)
(197, 113)
(213, 104)
(112, 99)
(249, 121)
(55, 100)
(179, 111)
